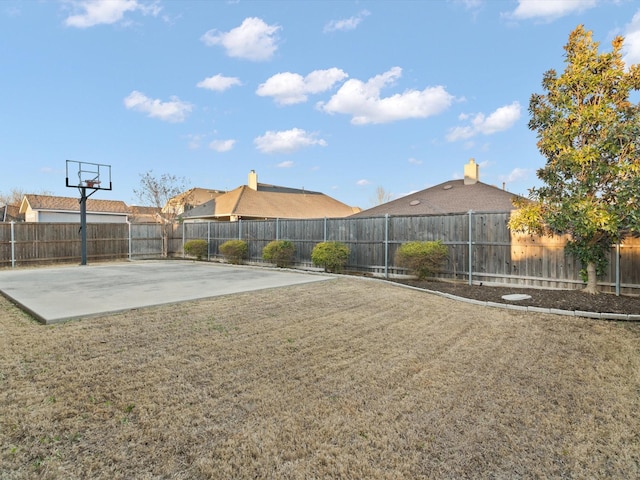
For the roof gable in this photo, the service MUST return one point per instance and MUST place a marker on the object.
(271, 202)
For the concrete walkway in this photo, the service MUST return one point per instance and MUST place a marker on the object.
(60, 293)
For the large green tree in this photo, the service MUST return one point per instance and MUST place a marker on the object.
(588, 129)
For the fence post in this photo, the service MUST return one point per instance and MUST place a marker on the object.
(183, 236)
(240, 229)
(277, 229)
(386, 245)
(325, 229)
(470, 249)
(208, 241)
(618, 269)
(13, 246)
(129, 248)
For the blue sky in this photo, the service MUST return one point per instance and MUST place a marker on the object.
(339, 96)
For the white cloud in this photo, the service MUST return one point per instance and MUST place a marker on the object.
(252, 40)
(363, 102)
(346, 24)
(632, 41)
(222, 145)
(97, 12)
(515, 175)
(549, 10)
(363, 182)
(415, 161)
(289, 88)
(460, 133)
(173, 111)
(287, 141)
(286, 164)
(502, 119)
(218, 83)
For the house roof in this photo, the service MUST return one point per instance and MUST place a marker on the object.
(138, 210)
(68, 204)
(195, 196)
(138, 214)
(448, 197)
(10, 213)
(270, 201)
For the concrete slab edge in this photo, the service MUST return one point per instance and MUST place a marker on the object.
(24, 308)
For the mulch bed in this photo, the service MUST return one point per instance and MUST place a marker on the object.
(559, 299)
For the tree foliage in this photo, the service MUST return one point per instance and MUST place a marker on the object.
(589, 132)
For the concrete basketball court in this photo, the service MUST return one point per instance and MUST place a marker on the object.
(61, 293)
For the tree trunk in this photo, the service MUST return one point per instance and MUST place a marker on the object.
(592, 285)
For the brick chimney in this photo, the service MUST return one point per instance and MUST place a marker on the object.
(253, 180)
(471, 172)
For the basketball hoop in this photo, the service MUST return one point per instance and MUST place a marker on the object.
(89, 176)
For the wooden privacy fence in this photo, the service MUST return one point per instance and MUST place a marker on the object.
(25, 243)
(481, 247)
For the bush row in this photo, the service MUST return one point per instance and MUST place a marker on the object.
(422, 259)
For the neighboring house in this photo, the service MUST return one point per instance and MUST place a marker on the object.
(47, 208)
(259, 201)
(454, 196)
(190, 199)
(139, 214)
(10, 213)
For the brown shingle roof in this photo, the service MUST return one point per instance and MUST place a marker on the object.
(138, 214)
(10, 213)
(195, 196)
(270, 202)
(448, 197)
(138, 210)
(68, 204)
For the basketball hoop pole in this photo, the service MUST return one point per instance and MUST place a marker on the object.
(90, 175)
(83, 224)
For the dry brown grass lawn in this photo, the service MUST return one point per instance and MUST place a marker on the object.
(347, 378)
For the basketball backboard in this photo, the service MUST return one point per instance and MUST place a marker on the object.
(88, 175)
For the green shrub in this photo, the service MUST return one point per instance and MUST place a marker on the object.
(235, 251)
(197, 248)
(280, 252)
(423, 259)
(332, 256)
